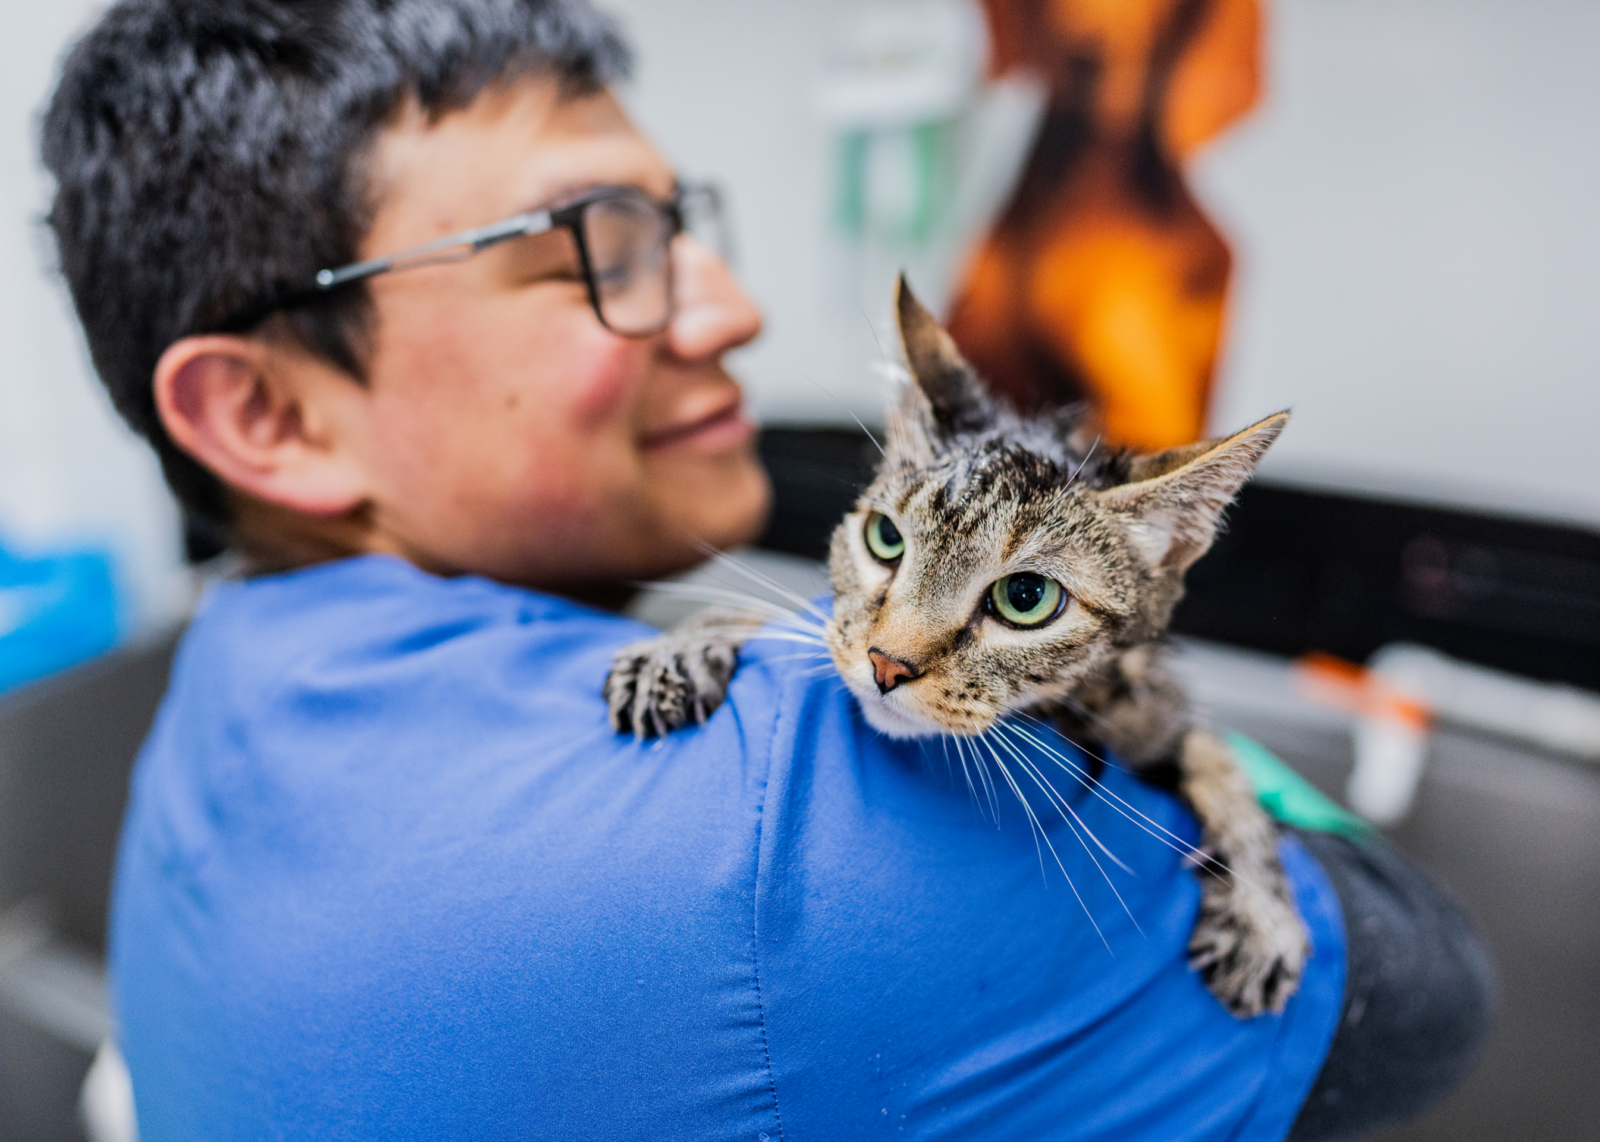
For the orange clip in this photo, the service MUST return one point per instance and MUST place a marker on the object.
(1352, 687)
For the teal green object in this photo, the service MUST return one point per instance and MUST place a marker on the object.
(850, 208)
(931, 153)
(55, 612)
(1288, 796)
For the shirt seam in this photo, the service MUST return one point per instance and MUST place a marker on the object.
(755, 925)
(761, 1009)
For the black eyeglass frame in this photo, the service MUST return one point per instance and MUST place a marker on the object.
(465, 244)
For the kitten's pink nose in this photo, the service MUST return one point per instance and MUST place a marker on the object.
(890, 670)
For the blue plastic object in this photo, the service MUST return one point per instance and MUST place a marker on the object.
(55, 611)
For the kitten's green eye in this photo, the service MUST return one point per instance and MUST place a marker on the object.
(1026, 599)
(884, 539)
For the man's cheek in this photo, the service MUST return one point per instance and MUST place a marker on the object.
(599, 395)
(576, 481)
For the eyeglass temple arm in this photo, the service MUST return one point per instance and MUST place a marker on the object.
(478, 239)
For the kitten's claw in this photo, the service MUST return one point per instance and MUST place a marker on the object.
(669, 682)
(1249, 944)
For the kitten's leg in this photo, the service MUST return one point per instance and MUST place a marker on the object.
(1249, 943)
(679, 677)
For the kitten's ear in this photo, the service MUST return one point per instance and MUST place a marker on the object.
(1174, 499)
(955, 397)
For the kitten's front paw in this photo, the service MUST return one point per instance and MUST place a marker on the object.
(668, 682)
(1249, 944)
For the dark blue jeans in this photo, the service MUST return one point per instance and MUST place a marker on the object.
(1419, 993)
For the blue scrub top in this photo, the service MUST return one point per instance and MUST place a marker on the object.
(386, 873)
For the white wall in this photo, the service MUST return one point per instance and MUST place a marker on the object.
(1417, 216)
(69, 471)
(1416, 211)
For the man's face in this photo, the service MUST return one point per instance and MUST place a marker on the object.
(504, 431)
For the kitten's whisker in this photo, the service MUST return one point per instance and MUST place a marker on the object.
(961, 754)
(901, 435)
(1108, 761)
(888, 363)
(1040, 834)
(972, 792)
(1177, 843)
(786, 636)
(807, 612)
(850, 414)
(743, 628)
(1035, 828)
(1085, 711)
(745, 631)
(1065, 804)
(1076, 706)
(1207, 861)
(752, 621)
(721, 594)
(961, 750)
(807, 633)
(982, 767)
(768, 582)
(729, 594)
(1064, 808)
(670, 587)
(801, 632)
(1087, 456)
(1094, 784)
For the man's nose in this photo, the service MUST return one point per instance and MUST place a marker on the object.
(713, 314)
(890, 671)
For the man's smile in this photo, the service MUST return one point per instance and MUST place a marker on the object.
(722, 426)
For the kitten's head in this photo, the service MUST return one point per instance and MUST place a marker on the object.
(996, 561)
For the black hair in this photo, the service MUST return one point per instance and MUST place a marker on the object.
(210, 155)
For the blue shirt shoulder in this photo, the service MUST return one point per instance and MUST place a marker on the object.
(386, 873)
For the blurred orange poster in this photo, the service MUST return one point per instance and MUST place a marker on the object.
(1103, 280)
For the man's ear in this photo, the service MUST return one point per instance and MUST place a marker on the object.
(1175, 499)
(955, 400)
(257, 417)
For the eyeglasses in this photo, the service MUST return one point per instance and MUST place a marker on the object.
(622, 235)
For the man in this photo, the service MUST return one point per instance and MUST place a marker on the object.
(414, 315)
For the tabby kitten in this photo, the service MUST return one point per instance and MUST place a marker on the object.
(1000, 563)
